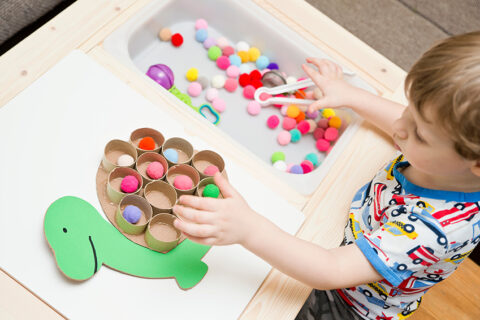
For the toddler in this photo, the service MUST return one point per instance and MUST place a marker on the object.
(410, 226)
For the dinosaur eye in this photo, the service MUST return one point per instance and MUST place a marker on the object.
(65, 230)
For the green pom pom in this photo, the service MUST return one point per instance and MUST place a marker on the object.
(296, 135)
(313, 158)
(214, 53)
(211, 191)
(279, 155)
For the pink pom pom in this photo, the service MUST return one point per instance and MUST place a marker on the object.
(249, 91)
(233, 71)
(219, 104)
(322, 145)
(254, 108)
(211, 94)
(307, 166)
(211, 170)
(273, 121)
(223, 62)
(201, 24)
(265, 96)
(155, 170)
(284, 138)
(194, 89)
(228, 51)
(283, 110)
(129, 184)
(289, 166)
(289, 123)
(183, 182)
(303, 126)
(331, 134)
(230, 84)
(318, 133)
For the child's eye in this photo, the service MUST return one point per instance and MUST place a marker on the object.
(418, 136)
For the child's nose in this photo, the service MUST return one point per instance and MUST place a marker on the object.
(399, 130)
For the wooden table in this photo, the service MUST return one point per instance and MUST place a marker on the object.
(86, 23)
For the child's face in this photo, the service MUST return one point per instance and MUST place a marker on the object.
(427, 146)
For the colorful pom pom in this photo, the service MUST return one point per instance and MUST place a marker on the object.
(273, 121)
(129, 184)
(147, 143)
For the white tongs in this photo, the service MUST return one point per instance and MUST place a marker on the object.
(283, 89)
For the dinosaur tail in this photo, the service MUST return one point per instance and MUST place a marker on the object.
(192, 269)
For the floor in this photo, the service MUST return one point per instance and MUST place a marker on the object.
(402, 29)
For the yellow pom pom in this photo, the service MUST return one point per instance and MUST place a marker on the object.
(335, 122)
(327, 113)
(243, 55)
(253, 54)
(293, 111)
(192, 74)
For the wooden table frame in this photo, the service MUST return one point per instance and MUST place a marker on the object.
(86, 23)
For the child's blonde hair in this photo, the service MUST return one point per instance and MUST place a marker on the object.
(447, 78)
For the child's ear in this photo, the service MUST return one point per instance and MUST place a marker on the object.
(476, 168)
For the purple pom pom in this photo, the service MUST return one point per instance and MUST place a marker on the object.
(272, 66)
(296, 169)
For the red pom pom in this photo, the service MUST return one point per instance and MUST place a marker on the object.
(244, 80)
(256, 83)
(177, 39)
(318, 133)
(255, 75)
(147, 143)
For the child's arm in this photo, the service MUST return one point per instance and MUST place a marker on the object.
(230, 220)
(338, 93)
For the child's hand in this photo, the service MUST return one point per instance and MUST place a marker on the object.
(329, 79)
(212, 221)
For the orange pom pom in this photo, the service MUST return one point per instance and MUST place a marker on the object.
(335, 122)
(300, 117)
(300, 94)
(147, 143)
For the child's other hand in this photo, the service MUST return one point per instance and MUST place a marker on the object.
(212, 221)
(329, 79)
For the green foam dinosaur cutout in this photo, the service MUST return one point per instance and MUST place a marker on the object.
(82, 241)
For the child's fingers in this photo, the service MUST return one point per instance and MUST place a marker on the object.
(205, 241)
(193, 214)
(205, 204)
(196, 230)
(325, 66)
(225, 187)
(314, 75)
(317, 105)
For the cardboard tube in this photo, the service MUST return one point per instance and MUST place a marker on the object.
(202, 184)
(182, 146)
(202, 159)
(114, 180)
(141, 133)
(144, 160)
(161, 196)
(161, 235)
(143, 205)
(113, 150)
(183, 169)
